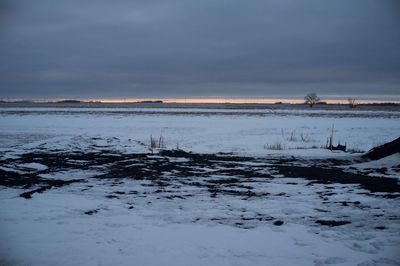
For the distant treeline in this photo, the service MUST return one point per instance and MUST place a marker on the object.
(69, 101)
(159, 101)
(150, 101)
(326, 103)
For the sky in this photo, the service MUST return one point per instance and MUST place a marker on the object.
(208, 48)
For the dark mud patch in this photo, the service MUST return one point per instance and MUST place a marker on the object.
(53, 184)
(244, 222)
(176, 176)
(332, 223)
(325, 175)
(29, 180)
(112, 197)
(91, 212)
(380, 227)
(219, 174)
(200, 157)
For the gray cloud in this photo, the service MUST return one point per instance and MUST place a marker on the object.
(198, 48)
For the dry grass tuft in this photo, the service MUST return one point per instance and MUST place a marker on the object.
(277, 146)
(156, 144)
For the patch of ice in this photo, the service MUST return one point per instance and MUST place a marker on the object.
(33, 166)
(10, 169)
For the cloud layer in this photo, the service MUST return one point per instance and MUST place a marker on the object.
(103, 49)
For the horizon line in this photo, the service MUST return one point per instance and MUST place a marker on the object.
(216, 100)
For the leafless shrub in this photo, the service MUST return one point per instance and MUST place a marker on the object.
(295, 137)
(292, 136)
(352, 102)
(305, 137)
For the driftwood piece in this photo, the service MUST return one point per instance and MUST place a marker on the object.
(383, 150)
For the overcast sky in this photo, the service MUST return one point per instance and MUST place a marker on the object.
(198, 48)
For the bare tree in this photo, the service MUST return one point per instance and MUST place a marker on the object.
(311, 99)
(352, 102)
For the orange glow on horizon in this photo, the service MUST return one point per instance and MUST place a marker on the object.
(232, 100)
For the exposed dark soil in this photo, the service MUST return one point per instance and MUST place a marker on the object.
(330, 175)
(173, 175)
(28, 180)
(220, 174)
(332, 223)
(91, 212)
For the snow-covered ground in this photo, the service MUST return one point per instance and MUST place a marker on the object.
(201, 130)
(106, 221)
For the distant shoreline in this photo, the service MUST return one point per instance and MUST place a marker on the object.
(244, 106)
(218, 100)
